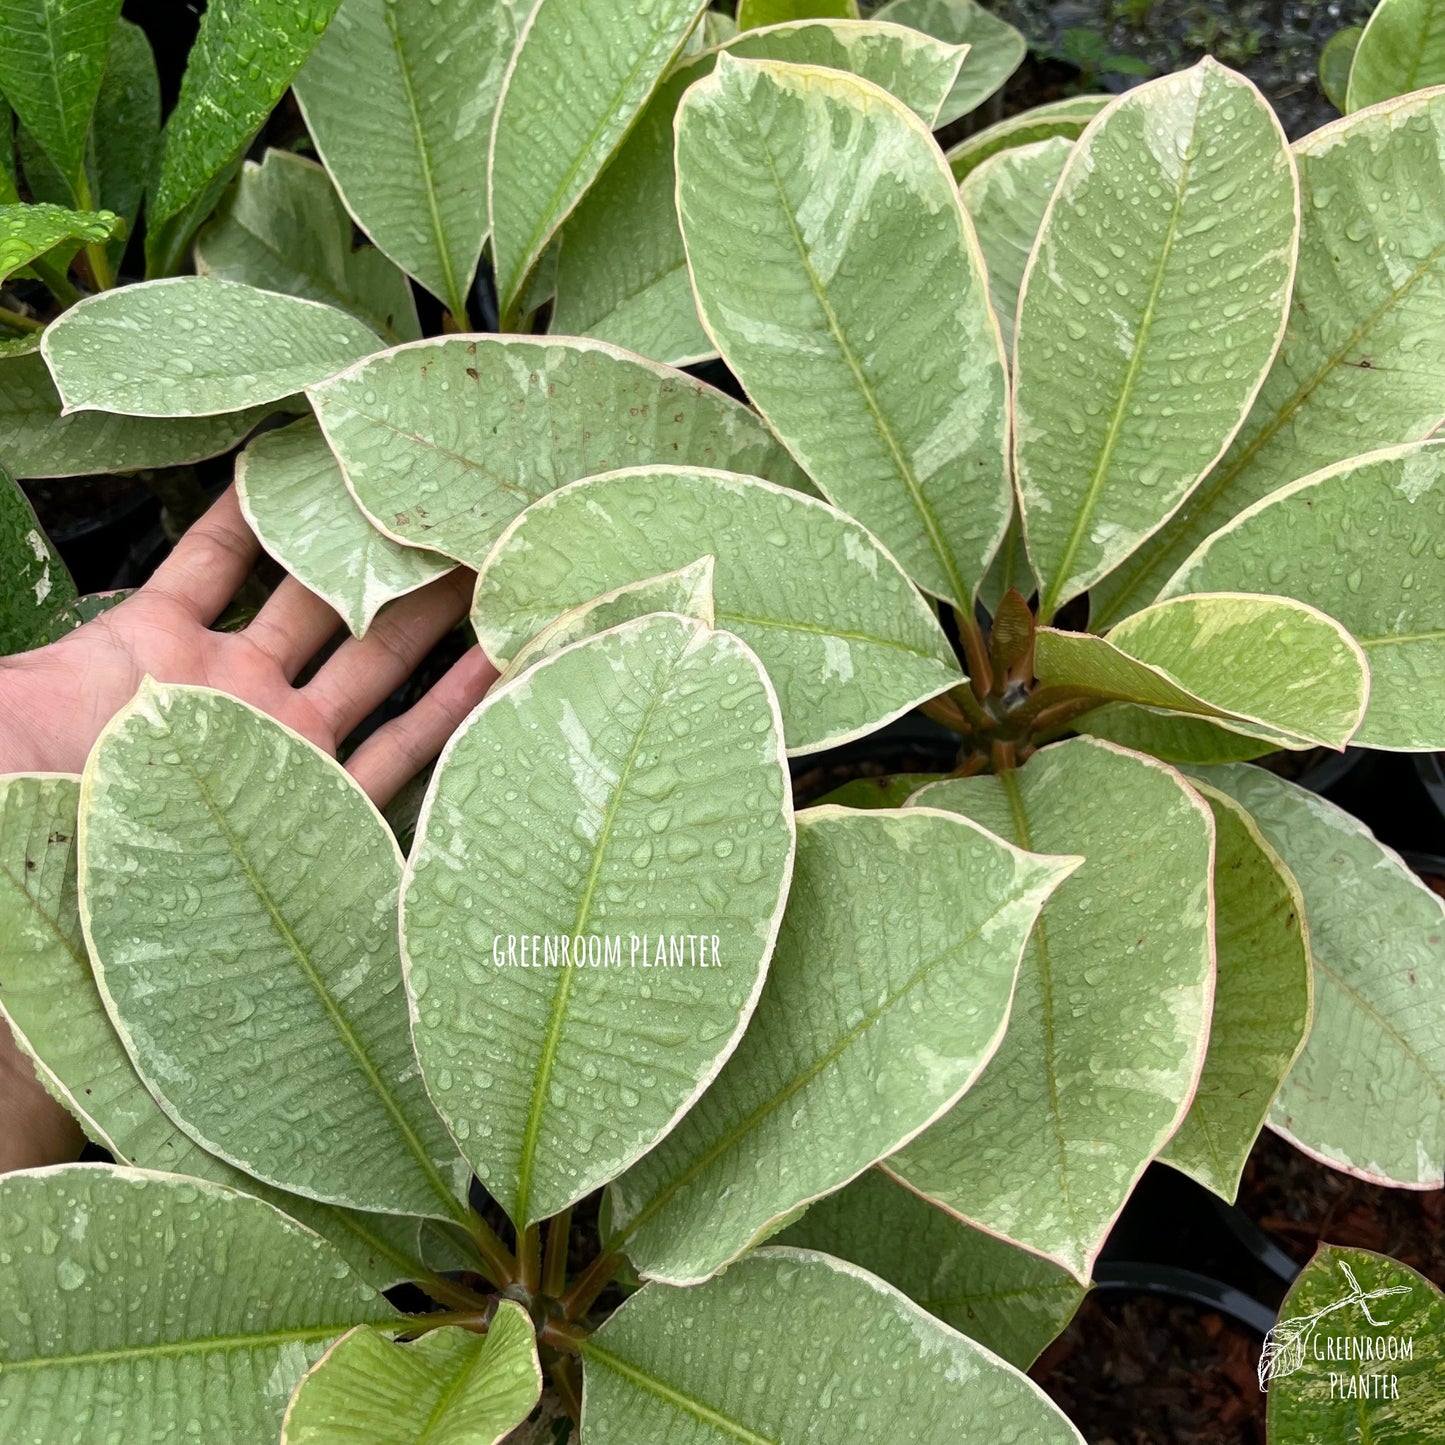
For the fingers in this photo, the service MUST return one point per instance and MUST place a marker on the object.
(209, 563)
(292, 627)
(362, 674)
(396, 752)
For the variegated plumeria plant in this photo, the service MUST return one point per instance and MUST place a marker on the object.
(954, 1029)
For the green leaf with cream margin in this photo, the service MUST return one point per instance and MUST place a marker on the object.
(623, 273)
(1172, 737)
(816, 1349)
(579, 77)
(686, 591)
(886, 380)
(846, 639)
(49, 995)
(294, 497)
(444, 442)
(238, 895)
(1149, 315)
(37, 582)
(887, 995)
(37, 440)
(995, 48)
(1263, 1001)
(1365, 542)
(1376, 1305)
(284, 228)
(1010, 1301)
(1006, 197)
(1402, 49)
(1277, 666)
(411, 161)
(450, 1387)
(1067, 119)
(631, 787)
(1111, 1015)
(29, 232)
(1377, 940)
(137, 1300)
(758, 14)
(1362, 355)
(193, 346)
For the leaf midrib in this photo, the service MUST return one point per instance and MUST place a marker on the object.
(885, 431)
(1085, 515)
(339, 1021)
(817, 629)
(557, 1011)
(801, 1081)
(684, 1404)
(451, 1392)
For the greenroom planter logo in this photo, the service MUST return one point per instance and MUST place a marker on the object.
(1358, 1364)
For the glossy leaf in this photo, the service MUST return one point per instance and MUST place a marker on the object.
(1111, 1014)
(411, 162)
(1357, 1300)
(580, 76)
(793, 239)
(1402, 49)
(450, 1387)
(1005, 198)
(283, 228)
(1290, 672)
(1360, 541)
(1172, 234)
(847, 641)
(194, 346)
(37, 441)
(887, 994)
(445, 442)
(1377, 938)
(1263, 1001)
(1010, 1301)
(1064, 118)
(648, 801)
(816, 1348)
(686, 591)
(623, 272)
(1336, 59)
(137, 1301)
(754, 14)
(37, 581)
(52, 58)
(29, 232)
(242, 940)
(1172, 736)
(244, 58)
(1365, 345)
(55, 1012)
(996, 49)
(295, 499)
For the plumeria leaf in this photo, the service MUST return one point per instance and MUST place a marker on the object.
(1263, 1001)
(1377, 940)
(847, 641)
(1172, 736)
(888, 993)
(30, 232)
(1360, 541)
(294, 496)
(996, 49)
(648, 810)
(283, 228)
(1401, 49)
(411, 163)
(194, 346)
(816, 1347)
(243, 938)
(753, 14)
(445, 442)
(1047, 1146)
(1336, 61)
(37, 582)
(831, 361)
(1365, 345)
(1010, 1301)
(1067, 119)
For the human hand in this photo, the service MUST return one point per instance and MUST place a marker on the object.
(55, 701)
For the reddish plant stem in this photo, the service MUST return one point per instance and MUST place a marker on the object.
(554, 1263)
(529, 1258)
(589, 1284)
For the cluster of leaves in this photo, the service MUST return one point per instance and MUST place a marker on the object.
(1401, 49)
(1140, 359)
